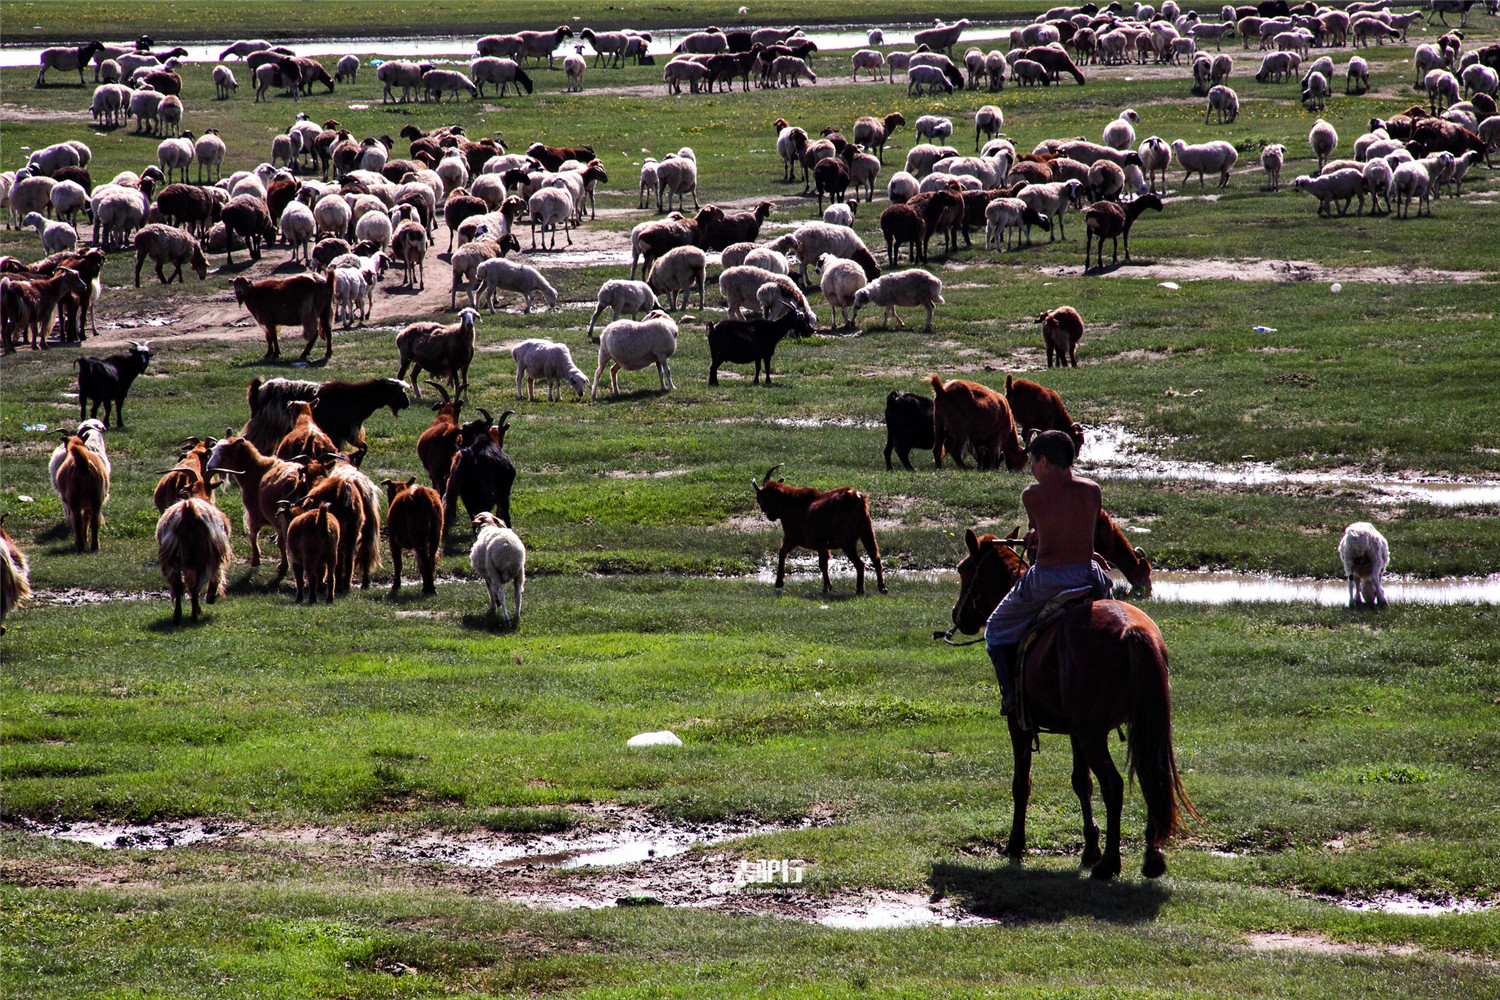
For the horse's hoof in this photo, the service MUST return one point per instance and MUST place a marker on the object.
(1155, 865)
(1105, 870)
(1090, 859)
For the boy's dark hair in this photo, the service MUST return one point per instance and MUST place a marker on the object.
(1055, 446)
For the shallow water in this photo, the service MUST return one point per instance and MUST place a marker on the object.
(1409, 905)
(460, 48)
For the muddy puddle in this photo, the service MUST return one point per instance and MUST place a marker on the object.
(1113, 452)
(1409, 905)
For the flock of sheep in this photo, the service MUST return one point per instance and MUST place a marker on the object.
(380, 209)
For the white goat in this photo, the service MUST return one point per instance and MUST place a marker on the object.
(1365, 555)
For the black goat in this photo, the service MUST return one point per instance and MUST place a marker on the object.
(908, 425)
(106, 381)
(341, 409)
(482, 473)
(741, 341)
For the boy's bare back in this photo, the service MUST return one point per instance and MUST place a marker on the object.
(1063, 510)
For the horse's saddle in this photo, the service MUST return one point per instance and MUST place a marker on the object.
(1039, 639)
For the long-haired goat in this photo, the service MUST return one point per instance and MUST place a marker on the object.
(15, 574)
(414, 520)
(192, 548)
(83, 484)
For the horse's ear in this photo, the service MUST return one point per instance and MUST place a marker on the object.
(1014, 532)
(971, 541)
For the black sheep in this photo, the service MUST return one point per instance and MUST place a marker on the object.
(107, 380)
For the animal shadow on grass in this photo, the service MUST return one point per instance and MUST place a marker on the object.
(56, 533)
(245, 263)
(1019, 895)
(164, 625)
(483, 622)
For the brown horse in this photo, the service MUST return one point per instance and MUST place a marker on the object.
(1111, 543)
(1099, 666)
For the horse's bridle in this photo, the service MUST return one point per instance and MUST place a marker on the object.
(991, 547)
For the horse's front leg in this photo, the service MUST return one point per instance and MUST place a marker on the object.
(1020, 790)
(1083, 787)
(1095, 749)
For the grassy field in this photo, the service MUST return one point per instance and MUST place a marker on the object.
(1331, 754)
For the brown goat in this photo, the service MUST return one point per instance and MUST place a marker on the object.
(1037, 408)
(439, 442)
(15, 574)
(820, 520)
(305, 437)
(314, 541)
(414, 520)
(192, 548)
(967, 413)
(1062, 329)
(83, 483)
(444, 351)
(342, 498)
(305, 299)
(187, 475)
(30, 305)
(264, 482)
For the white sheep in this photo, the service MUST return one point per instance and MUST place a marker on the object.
(1156, 157)
(1365, 554)
(1052, 200)
(1119, 134)
(939, 181)
(499, 557)
(550, 362)
(842, 279)
(1461, 167)
(920, 79)
(914, 287)
(771, 260)
(1480, 79)
(649, 179)
(68, 198)
(739, 284)
(1442, 89)
(788, 70)
(869, 59)
(901, 188)
(498, 273)
(298, 228)
(933, 126)
(175, 155)
(1315, 90)
(374, 227)
(1410, 180)
(1377, 174)
(876, 36)
(841, 213)
(573, 67)
(332, 215)
(107, 104)
(453, 171)
(145, 105)
(1271, 160)
(349, 294)
(170, 114)
(625, 297)
(1358, 72)
(550, 207)
(679, 270)
(56, 236)
(678, 70)
(1340, 185)
(814, 239)
(1323, 140)
(348, 66)
(677, 174)
(780, 296)
(1028, 72)
(988, 171)
(1215, 157)
(922, 157)
(1001, 216)
(630, 345)
(1224, 102)
(209, 150)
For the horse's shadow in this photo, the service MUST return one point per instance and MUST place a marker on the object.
(1019, 895)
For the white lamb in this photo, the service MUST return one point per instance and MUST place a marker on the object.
(499, 557)
(1365, 554)
(624, 297)
(1224, 102)
(841, 213)
(630, 345)
(349, 295)
(550, 362)
(649, 179)
(739, 284)
(1323, 140)
(498, 273)
(298, 227)
(914, 287)
(842, 280)
(1119, 134)
(1215, 157)
(1442, 89)
(56, 236)
(935, 127)
(1271, 159)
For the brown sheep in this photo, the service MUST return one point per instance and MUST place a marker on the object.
(305, 299)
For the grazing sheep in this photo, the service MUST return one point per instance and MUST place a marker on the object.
(680, 269)
(874, 133)
(1410, 180)
(902, 187)
(869, 59)
(676, 174)
(298, 229)
(547, 361)
(935, 127)
(438, 81)
(1315, 91)
(499, 557)
(842, 280)
(780, 296)
(498, 273)
(1323, 140)
(502, 72)
(842, 213)
(1271, 159)
(814, 239)
(788, 70)
(56, 236)
(914, 287)
(169, 245)
(633, 345)
(1119, 134)
(348, 66)
(739, 285)
(1223, 101)
(920, 79)
(1365, 554)
(1339, 185)
(1206, 158)
(1377, 174)
(624, 296)
(1062, 329)
(1358, 72)
(1052, 200)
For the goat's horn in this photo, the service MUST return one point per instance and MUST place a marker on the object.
(191, 442)
(230, 472)
(178, 468)
(1140, 553)
(487, 414)
(771, 470)
(505, 416)
(440, 388)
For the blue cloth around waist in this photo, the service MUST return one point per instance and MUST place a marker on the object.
(1014, 614)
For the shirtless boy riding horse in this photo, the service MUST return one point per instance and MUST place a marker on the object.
(1063, 511)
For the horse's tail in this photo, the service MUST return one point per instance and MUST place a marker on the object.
(1152, 760)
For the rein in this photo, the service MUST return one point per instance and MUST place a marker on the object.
(994, 548)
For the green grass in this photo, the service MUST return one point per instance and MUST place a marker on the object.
(1330, 753)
